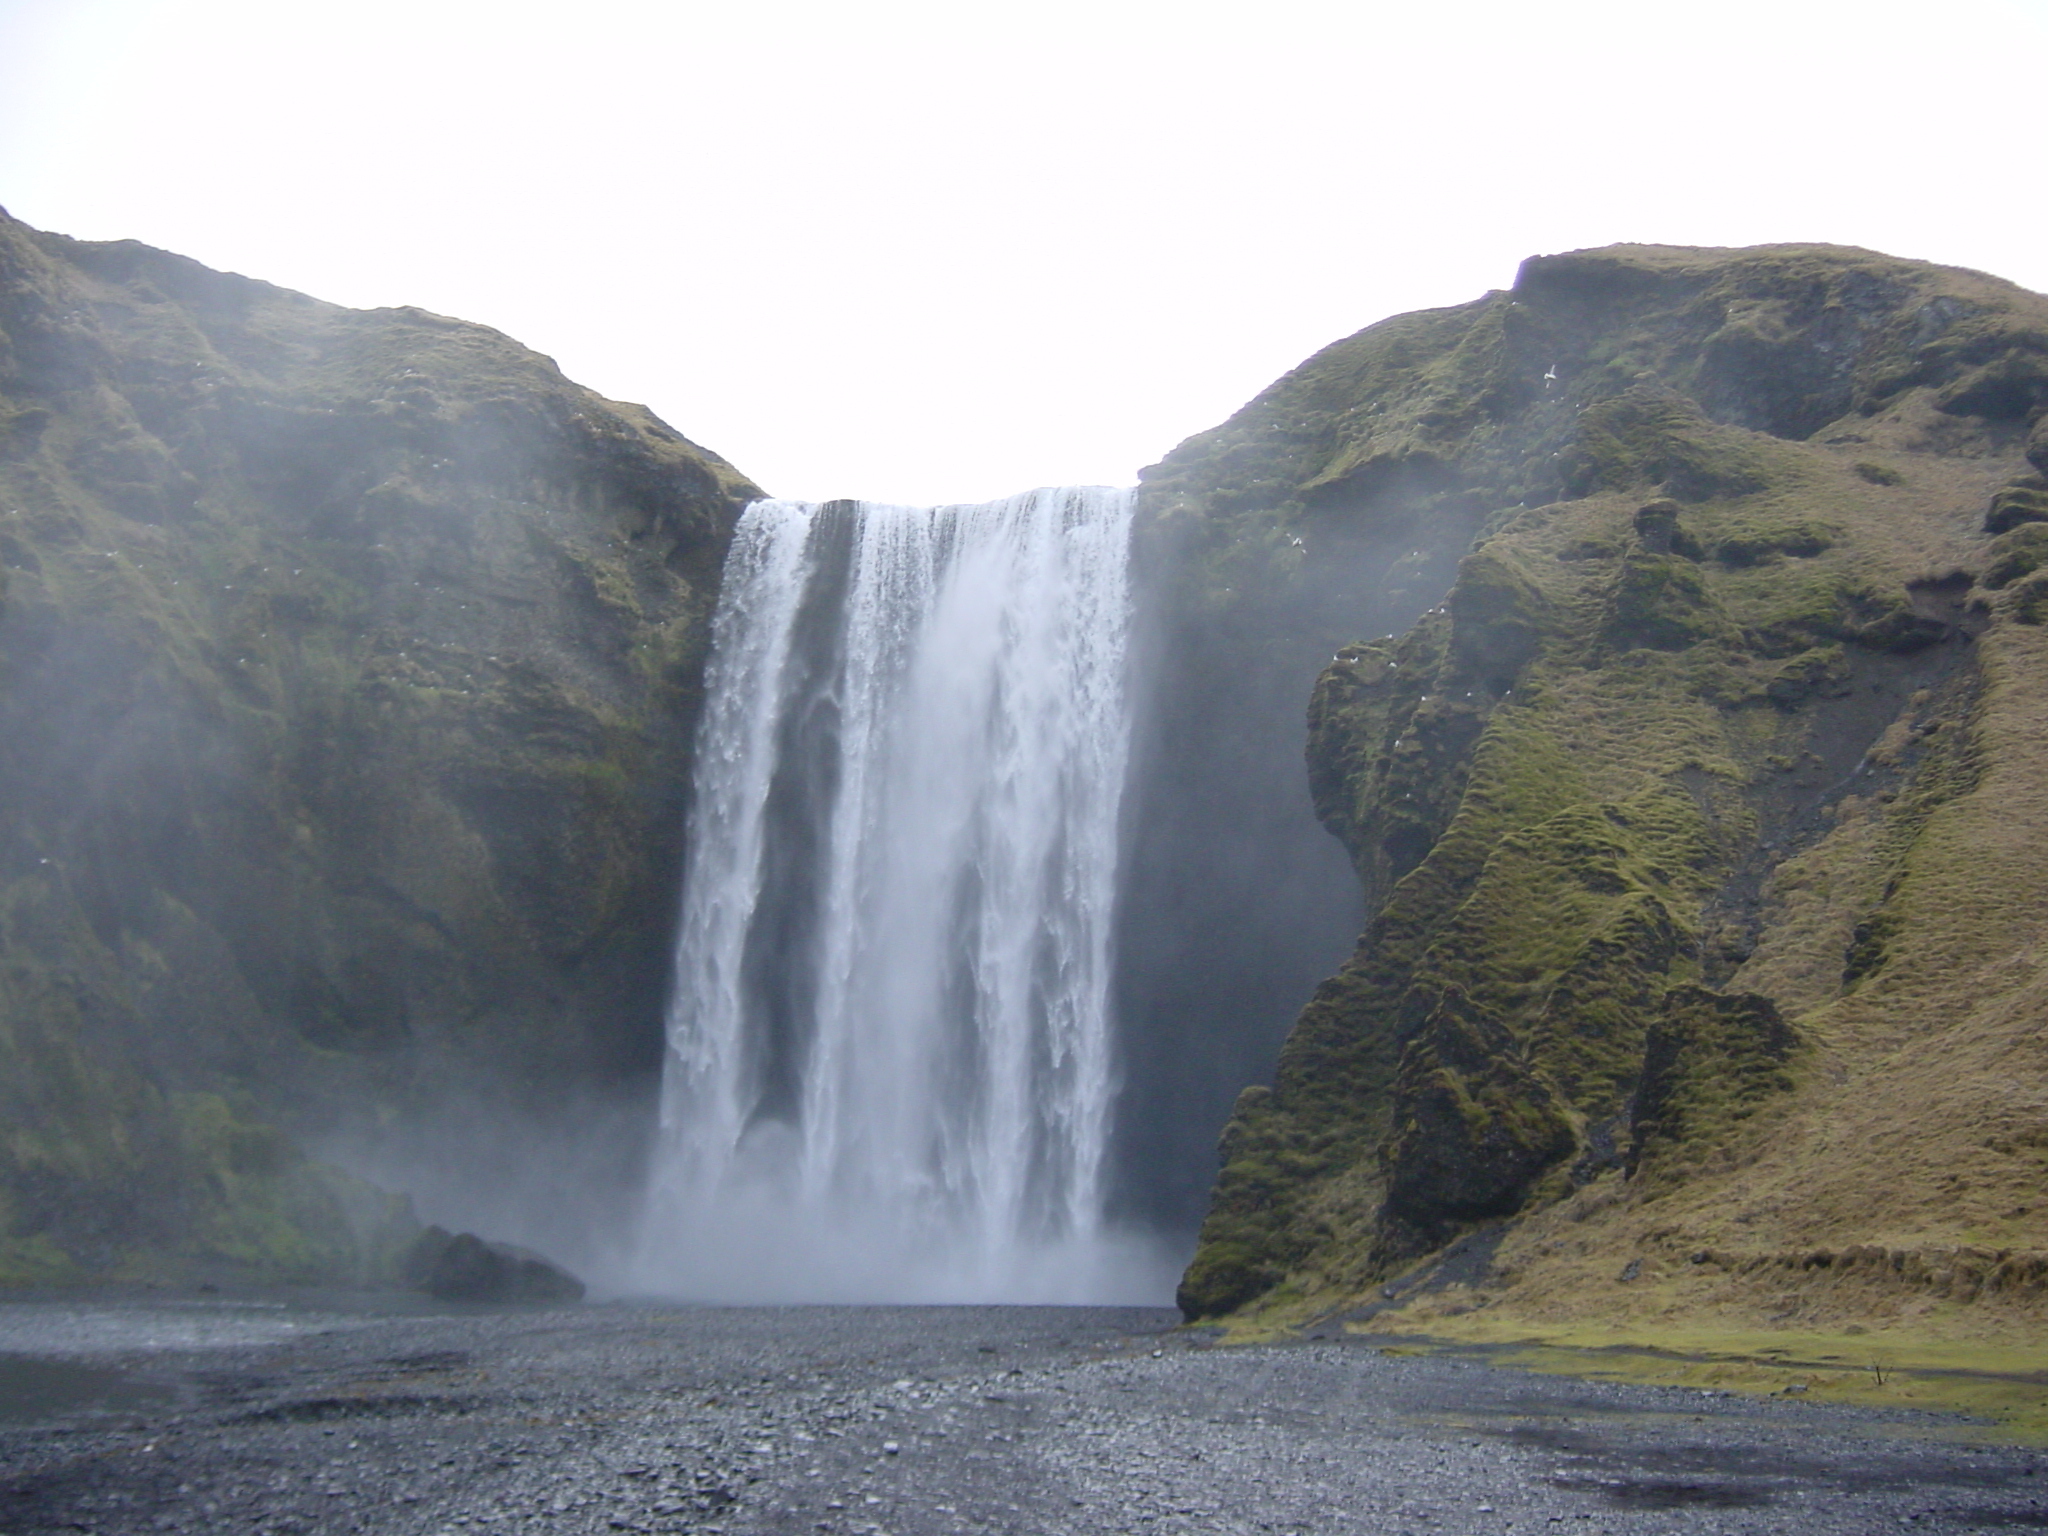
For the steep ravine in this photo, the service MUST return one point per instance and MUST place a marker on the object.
(1698, 816)
(1670, 628)
(348, 661)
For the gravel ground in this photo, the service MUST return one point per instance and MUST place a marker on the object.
(215, 1414)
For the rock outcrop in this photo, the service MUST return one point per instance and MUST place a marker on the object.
(460, 1266)
(348, 662)
(1691, 798)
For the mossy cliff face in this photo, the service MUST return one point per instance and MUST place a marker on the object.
(1691, 815)
(348, 662)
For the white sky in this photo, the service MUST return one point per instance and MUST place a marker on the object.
(922, 252)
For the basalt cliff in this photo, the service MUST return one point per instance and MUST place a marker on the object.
(1696, 793)
(348, 661)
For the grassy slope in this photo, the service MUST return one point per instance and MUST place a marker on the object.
(346, 667)
(1605, 773)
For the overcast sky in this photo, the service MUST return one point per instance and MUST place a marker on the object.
(929, 252)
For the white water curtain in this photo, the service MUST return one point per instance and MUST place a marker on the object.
(890, 1052)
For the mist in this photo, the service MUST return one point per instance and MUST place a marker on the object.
(891, 1055)
(350, 666)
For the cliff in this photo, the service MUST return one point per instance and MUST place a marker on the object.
(1671, 629)
(1696, 799)
(348, 662)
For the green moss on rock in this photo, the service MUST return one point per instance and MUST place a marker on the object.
(1662, 601)
(2019, 552)
(1653, 436)
(1564, 788)
(2029, 603)
(1753, 542)
(348, 664)
(1711, 1061)
(2023, 501)
(1588, 1035)
(1473, 1126)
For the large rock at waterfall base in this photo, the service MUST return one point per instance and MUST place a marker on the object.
(464, 1267)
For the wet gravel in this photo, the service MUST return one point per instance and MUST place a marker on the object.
(245, 1415)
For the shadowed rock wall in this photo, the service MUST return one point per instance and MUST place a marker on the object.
(348, 664)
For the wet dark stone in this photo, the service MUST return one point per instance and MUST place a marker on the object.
(465, 1267)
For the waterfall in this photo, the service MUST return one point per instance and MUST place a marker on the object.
(889, 1063)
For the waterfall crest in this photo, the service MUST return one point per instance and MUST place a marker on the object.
(889, 1061)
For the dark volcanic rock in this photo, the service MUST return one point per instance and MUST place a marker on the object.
(465, 1267)
(348, 664)
(1474, 1126)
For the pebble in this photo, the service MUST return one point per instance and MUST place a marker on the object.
(757, 1422)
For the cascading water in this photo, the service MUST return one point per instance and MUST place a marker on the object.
(890, 1062)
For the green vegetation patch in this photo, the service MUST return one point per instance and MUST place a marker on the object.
(2024, 501)
(1995, 1387)
(1474, 1127)
(1710, 1060)
(1702, 668)
(2016, 553)
(1755, 541)
(1650, 435)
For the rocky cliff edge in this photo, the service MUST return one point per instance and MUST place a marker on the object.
(1698, 810)
(348, 662)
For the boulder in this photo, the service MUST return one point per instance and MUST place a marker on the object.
(465, 1267)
